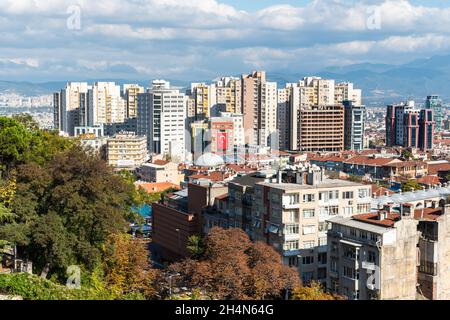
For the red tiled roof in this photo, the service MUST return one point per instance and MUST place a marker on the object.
(156, 187)
(381, 191)
(364, 160)
(435, 168)
(427, 214)
(406, 164)
(328, 159)
(160, 162)
(214, 176)
(373, 218)
(429, 180)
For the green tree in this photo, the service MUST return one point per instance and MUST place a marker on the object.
(14, 143)
(195, 246)
(410, 185)
(66, 209)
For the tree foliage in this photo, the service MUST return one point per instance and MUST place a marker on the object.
(66, 209)
(313, 291)
(410, 185)
(233, 267)
(127, 266)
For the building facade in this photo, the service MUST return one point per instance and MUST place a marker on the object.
(126, 151)
(355, 118)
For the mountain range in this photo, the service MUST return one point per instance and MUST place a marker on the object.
(381, 83)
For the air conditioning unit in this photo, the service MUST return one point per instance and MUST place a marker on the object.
(371, 286)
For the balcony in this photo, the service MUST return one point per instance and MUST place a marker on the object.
(291, 206)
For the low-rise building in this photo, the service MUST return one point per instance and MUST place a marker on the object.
(160, 171)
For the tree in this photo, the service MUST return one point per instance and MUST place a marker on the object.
(410, 185)
(314, 291)
(195, 246)
(233, 267)
(14, 143)
(66, 209)
(127, 266)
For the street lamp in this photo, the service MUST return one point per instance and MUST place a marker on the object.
(179, 242)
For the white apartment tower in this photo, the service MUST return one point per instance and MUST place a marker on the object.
(106, 105)
(70, 107)
(162, 117)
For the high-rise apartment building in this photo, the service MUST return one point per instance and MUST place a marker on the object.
(435, 103)
(70, 107)
(130, 94)
(228, 95)
(355, 118)
(283, 118)
(345, 91)
(205, 99)
(321, 128)
(162, 117)
(106, 104)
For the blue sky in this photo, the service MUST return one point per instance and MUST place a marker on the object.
(44, 40)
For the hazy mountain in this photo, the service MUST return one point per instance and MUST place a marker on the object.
(381, 83)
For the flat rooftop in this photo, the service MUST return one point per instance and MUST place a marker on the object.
(325, 184)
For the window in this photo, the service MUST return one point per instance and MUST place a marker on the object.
(292, 216)
(373, 237)
(351, 273)
(363, 235)
(293, 261)
(324, 226)
(350, 253)
(347, 195)
(352, 232)
(334, 265)
(292, 245)
(291, 199)
(322, 241)
(363, 193)
(291, 229)
(348, 211)
(309, 229)
(363, 208)
(330, 210)
(329, 195)
(371, 256)
(307, 276)
(308, 244)
(308, 260)
(309, 197)
(322, 257)
(308, 213)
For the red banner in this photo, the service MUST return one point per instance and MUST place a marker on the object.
(222, 143)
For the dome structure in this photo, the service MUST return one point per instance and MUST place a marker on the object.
(209, 160)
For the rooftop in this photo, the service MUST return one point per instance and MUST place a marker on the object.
(326, 183)
(361, 224)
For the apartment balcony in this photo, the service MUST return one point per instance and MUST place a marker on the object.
(292, 253)
(288, 206)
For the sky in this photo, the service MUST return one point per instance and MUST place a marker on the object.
(198, 40)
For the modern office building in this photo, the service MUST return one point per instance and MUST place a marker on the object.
(435, 103)
(355, 118)
(409, 127)
(320, 128)
(162, 117)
